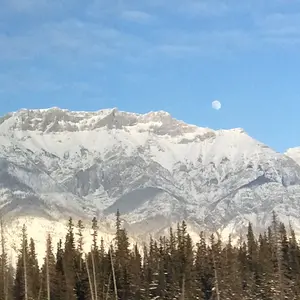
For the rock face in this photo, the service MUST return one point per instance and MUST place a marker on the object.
(156, 170)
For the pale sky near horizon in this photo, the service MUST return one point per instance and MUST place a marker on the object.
(149, 55)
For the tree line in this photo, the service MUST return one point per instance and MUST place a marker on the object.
(264, 267)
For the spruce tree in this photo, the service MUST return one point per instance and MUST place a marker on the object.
(21, 288)
(33, 272)
(81, 280)
(49, 288)
(60, 272)
(203, 271)
(69, 261)
(122, 257)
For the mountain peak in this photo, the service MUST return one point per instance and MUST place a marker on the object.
(56, 163)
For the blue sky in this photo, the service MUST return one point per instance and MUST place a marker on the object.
(147, 55)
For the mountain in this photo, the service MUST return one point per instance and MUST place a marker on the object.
(156, 170)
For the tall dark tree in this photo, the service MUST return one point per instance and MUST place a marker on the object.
(33, 272)
(203, 270)
(122, 260)
(69, 261)
(21, 287)
(6, 275)
(49, 288)
(60, 274)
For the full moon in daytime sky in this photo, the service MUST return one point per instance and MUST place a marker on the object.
(216, 104)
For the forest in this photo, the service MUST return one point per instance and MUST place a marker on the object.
(257, 267)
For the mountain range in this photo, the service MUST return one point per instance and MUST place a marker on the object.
(156, 170)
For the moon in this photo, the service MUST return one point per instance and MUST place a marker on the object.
(216, 105)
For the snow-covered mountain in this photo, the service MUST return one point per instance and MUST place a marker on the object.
(155, 169)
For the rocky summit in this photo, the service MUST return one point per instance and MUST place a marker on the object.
(156, 170)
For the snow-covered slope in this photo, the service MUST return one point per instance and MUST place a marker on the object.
(156, 170)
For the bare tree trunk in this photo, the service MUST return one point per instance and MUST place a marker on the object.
(10, 271)
(183, 288)
(41, 287)
(277, 242)
(113, 274)
(47, 270)
(89, 277)
(216, 277)
(108, 286)
(94, 275)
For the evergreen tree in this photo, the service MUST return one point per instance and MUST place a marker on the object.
(6, 275)
(185, 262)
(122, 259)
(33, 272)
(294, 253)
(81, 280)
(21, 291)
(49, 288)
(69, 261)
(252, 265)
(60, 272)
(203, 270)
(288, 284)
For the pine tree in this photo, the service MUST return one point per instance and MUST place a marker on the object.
(252, 265)
(49, 288)
(216, 263)
(265, 269)
(122, 257)
(69, 260)
(275, 241)
(232, 285)
(94, 256)
(203, 271)
(6, 275)
(172, 287)
(185, 262)
(60, 276)
(294, 253)
(288, 284)
(81, 280)
(4, 267)
(136, 270)
(21, 291)
(33, 272)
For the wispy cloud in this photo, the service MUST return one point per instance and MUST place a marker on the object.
(25, 5)
(280, 29)
(94, 33)
(203, 8)
(68, 40)
(37, 7)
(137, 16)
(42, 81)
(14, 81)
(93, 41)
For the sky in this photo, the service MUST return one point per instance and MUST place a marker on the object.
(150, 55)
